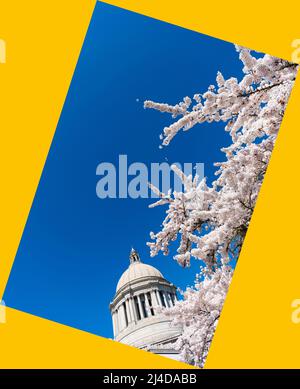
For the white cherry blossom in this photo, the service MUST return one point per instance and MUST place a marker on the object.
(211, 220)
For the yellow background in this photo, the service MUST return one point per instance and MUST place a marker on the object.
(43, 43)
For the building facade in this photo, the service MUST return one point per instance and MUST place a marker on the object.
(141, 290)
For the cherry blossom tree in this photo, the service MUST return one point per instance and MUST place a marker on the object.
(210, 221)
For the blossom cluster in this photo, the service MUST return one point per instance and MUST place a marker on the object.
(210, 221)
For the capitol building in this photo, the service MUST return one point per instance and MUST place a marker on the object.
(136, 319)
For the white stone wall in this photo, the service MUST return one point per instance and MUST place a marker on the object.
(151, 331)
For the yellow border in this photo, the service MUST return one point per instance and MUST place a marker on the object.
(43, 41)
(259, 25)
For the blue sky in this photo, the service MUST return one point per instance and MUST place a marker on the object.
(76, 246)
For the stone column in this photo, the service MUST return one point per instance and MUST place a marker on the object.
(141, 308)
(133, 309)
(128, 312)
(115, 324)
(147, 305)
(165, 298)
(121, 317)
(160, 298)
(154, 300)
(157, 297)
(169, 299)
(117, 321)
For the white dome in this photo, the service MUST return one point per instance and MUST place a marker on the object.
(138, 270)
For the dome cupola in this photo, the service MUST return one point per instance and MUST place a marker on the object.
(137, 271)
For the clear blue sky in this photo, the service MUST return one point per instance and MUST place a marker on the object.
(76, 246)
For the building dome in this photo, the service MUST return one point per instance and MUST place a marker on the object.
(136, 308)
(136, 271)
